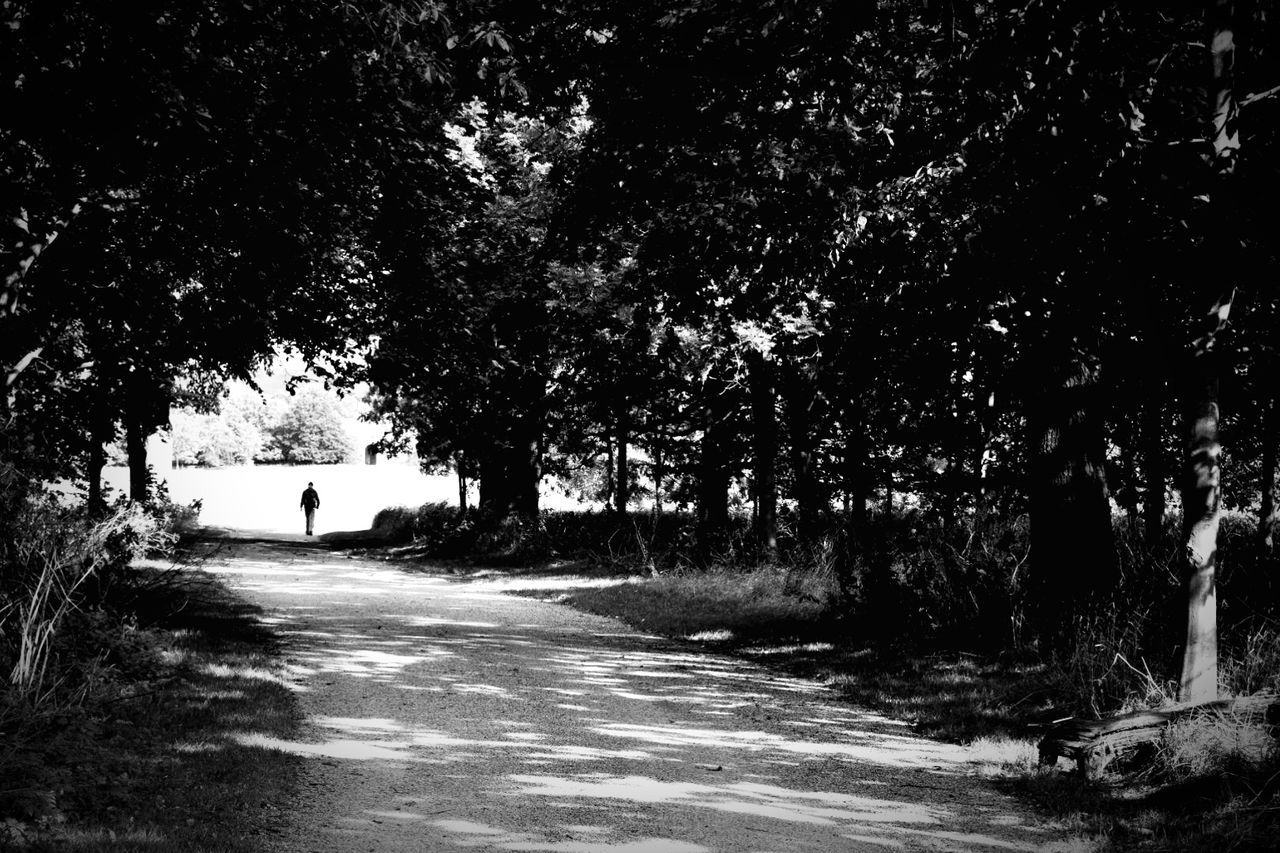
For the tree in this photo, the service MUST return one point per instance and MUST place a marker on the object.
(237, 214)
(310, 432)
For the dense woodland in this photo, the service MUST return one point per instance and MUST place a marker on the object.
(971, 262)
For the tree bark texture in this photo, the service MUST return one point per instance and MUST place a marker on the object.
(764, 423)
(1202, 513)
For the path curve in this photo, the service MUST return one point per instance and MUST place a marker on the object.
(447, 715)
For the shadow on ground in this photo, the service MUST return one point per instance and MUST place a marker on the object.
(150, 769)
(957, 696)
(469, 719)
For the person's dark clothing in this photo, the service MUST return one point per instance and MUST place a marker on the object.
(310, 500)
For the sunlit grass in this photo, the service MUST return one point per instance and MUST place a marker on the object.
(721, 607)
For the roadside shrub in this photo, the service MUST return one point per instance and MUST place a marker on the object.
(435, 528)
(56, 563)
(397, 523)
(1215, 744)
(65, 578)
(912, 575)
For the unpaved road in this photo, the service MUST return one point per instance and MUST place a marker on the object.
(449, 715)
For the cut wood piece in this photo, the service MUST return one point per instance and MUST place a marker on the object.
(1094, 744)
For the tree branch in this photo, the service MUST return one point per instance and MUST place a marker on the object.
(1259, 96)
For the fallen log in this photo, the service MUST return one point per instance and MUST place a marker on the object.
(1094, 744)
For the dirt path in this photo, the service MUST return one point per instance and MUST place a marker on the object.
(447, 715)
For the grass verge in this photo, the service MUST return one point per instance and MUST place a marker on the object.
(143, 764)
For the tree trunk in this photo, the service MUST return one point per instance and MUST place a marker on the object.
(511, 469)
(93, 470)
(621, 490)
(1074, 558)
(1202, 488)
(765, 445)
(1202, 513)
(1153, 469)
(495, 483)
(609, 469)
(713, 470)
(857, 470)
(136, 447)
(657, 474)
(459, 462)
(525, 468)
(801, 400)
(1267, 513)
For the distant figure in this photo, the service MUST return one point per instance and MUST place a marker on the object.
(310, 503)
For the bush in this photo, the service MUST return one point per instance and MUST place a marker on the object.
(436, 528)
(63, 630)
(55, 563)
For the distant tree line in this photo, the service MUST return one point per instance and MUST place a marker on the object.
(249, 428)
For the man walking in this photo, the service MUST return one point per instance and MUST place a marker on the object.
(310, 503)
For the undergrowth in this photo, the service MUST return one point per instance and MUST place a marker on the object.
(72, 640)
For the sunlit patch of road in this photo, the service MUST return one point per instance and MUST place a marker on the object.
(443, 715)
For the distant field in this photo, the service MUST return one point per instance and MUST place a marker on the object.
(265, 497)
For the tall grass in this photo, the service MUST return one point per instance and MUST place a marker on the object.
(63, 631)
(56, 562)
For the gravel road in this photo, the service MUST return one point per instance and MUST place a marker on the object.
(449, 715)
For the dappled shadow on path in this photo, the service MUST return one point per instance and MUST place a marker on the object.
(482, 721)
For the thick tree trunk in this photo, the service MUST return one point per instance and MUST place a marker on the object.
(136, 446)
(1267, 512)
(525, 466)
(509, 478)
(1073, 550)
(1202, 513)
(495, 484)
(764, 424)
(511, 469)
